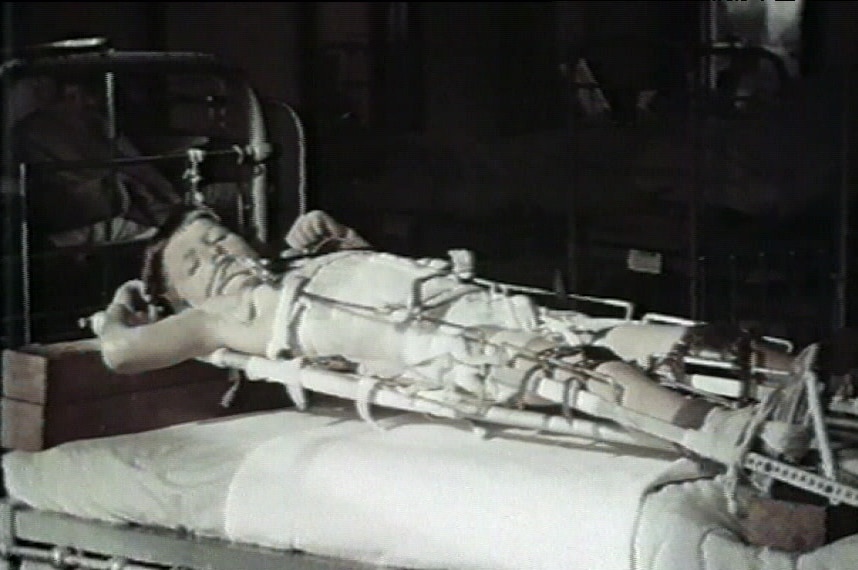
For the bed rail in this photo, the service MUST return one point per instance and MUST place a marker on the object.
(63, 540)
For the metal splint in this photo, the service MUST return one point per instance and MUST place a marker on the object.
(402, 392)
(300, 374)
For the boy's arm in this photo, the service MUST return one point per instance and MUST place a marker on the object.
(316, 230)
(130, 348)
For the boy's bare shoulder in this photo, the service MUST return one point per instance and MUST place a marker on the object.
(245, 306)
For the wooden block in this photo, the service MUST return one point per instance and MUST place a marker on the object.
(32, 427)
(74, 372)
(142, 411)
(22, 425)
(63, 392)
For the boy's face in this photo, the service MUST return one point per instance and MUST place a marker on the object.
(192, 257)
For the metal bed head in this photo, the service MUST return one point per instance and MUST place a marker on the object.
(251, 206)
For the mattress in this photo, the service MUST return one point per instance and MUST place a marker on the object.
(410, 492)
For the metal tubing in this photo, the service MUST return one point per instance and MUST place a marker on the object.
(627, 306)
(60, 557)
(26, 336)
(238, 152)
(840, 316)
(817, 416)
(110, 92)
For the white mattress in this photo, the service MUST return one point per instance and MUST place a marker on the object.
(421, 494)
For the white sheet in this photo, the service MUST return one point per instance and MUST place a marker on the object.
(176, 477)
(425, 494)
(432, 494)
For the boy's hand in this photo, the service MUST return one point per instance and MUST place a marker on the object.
(133, 302)
(132, 295)
(96, 322)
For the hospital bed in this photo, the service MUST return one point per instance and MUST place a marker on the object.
(332, 485)
(382, 480)
(287, 489)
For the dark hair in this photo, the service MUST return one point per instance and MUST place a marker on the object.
(152, 273)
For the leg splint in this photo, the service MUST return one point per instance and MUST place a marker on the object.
(427, 340)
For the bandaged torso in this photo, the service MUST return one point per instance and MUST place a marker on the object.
(364, 305)
(394, 314)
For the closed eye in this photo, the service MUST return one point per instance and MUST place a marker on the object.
(215, 235)
(192, 262)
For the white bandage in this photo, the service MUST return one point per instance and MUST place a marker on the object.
(216, 358)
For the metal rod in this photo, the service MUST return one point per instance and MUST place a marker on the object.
(704, 84)
(702, 292)
(26, 336)
(467, 332)
(627, 306)
(817, 416)
(133, 160)
(693, 215)
(346, 386)
(734, 288)
(763, 268)
(840, 315)
(110, 92)
(59, 557)
(708, 35)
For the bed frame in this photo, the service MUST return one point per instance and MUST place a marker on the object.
(60, 540)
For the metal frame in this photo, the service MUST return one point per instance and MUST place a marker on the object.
(98, 57)
(62, 540)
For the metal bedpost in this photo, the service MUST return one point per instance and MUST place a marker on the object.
(26, 324)
(841, 292)
(573, 231)
(109, 90)
(693, 217)
(7, 534)
(705, 82)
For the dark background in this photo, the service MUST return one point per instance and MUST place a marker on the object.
(417, 113)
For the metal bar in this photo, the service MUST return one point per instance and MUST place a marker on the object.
(694, 133)
(26, 335)
(724, 365)
(696, 124)
(258, 184)
(59, 557)
(239, 152)
(627, 306)
(467, 332)
(817, 415)
(161, 546)
(763, 268)
(347, 386)
(841, 293)
(693, 224)
(297, 375)
(709, 35)
(110, 91)
(832, 490)
(702, 290)
(733, 286)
